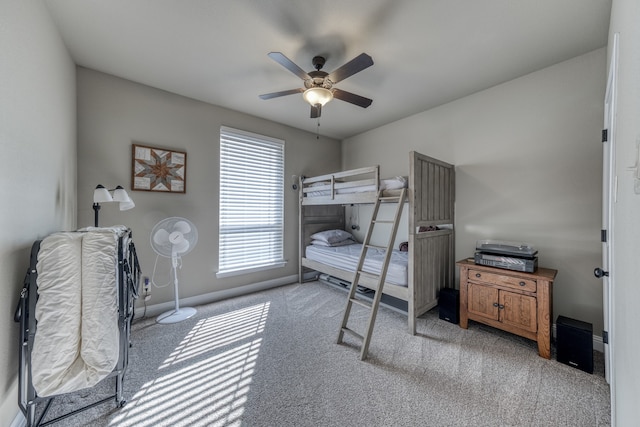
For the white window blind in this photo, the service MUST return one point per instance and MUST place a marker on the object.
(251, 202)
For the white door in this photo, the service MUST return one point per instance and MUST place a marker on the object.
(608, 202)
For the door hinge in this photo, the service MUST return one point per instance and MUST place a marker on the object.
(605, 337)
(603, 236)
(605, 135)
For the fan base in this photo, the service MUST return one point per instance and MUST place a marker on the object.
(175, 316)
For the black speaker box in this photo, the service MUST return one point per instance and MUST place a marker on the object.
(449, 305)
(574, 343)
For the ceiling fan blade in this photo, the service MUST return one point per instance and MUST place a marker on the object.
(288, 64)
(281, 93)
(315, 111)
(358, 100)
(356, 65)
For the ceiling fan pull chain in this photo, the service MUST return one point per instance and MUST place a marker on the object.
(318, 129)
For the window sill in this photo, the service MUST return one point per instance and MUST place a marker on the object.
(229, 273)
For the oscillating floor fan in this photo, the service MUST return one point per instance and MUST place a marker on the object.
(172, 238)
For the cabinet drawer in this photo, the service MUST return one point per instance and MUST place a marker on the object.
(527, 285)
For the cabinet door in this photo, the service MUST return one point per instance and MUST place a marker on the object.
(482, 300)
(519, 311)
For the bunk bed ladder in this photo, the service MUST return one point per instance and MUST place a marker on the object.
(380, 279)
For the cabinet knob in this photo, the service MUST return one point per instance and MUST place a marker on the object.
(521, 283)
(495, 304)
(478, 275)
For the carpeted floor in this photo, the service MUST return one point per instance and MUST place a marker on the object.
(270, 359)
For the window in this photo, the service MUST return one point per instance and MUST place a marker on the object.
(251, 202)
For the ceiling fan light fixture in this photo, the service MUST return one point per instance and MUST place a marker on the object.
(317, 95)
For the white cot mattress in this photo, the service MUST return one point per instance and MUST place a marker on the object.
(347, 257)
(394, 183)
(76, 343)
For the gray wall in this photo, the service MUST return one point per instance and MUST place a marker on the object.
(625, 15)
(38, 141)
(528, 168)
(113, 113)
(37, 132)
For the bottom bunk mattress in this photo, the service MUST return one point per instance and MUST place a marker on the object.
(347, 257)
(76, 342)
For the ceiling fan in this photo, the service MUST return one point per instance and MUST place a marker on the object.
(318, 85)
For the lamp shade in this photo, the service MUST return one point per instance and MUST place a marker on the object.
(120, 195)
(317, 95)
(101, 195)
(125, 206)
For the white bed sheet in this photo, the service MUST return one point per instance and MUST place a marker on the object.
(76, 343)
(347, 257)
(394, 183)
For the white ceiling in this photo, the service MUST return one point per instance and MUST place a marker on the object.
(425, 52)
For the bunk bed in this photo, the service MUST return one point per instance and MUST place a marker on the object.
(430, 197)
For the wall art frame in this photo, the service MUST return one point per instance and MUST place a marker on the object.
(158, 169)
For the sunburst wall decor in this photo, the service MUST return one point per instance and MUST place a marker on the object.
(158, 169)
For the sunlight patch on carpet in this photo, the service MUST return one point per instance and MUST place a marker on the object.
(207, 392)
(219, 331)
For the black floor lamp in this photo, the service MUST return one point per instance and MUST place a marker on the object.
(102, 195)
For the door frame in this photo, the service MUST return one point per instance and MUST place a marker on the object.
(609, 185)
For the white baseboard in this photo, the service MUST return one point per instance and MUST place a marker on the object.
(598, 344)
(10, 413)
(19, 421)
(156, 309)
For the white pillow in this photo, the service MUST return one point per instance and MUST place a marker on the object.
(333, 245)
(393, 183)
(332, 236)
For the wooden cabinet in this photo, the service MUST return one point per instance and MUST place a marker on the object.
(517, 302)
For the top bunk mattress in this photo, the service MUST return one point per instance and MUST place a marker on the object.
(347, 257)
(323, 188)
(349, 186)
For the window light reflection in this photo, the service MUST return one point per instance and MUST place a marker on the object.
(207, 392)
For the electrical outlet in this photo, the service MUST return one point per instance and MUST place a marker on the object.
(146, 285)
(147, 297)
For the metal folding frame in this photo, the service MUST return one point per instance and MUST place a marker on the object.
(128, 278)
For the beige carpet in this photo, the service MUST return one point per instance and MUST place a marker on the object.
(270, 359)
